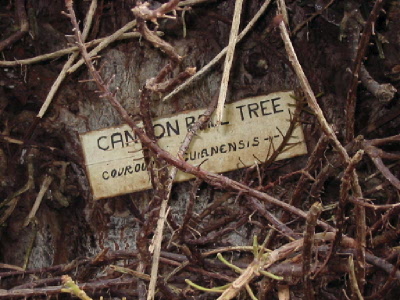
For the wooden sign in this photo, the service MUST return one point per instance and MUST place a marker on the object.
(115, 163)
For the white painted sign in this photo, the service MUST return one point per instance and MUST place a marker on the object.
(115, 163)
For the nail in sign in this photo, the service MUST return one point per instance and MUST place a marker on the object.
(114, 160)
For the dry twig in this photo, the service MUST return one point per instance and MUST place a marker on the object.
(312, 217)
(67, 65)
(23, 26)
(233, 37)
(312, 101)
(312, 17)
(103, 44)
(216, 59)
(253, 269)
(172, 174)
(66, 51)
(43, 189)
(352, 90)
(377, 155)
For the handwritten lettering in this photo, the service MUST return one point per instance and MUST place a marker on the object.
(251, 129)
(222, 149)
(259, 109)
(123, 171)
(116, 140)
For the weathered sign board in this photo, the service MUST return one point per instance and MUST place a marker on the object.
(115, 163)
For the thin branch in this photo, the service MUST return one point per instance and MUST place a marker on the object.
(382, 141)
(270, 258)
(376, 156)
(362, 202)
(56, 290)
(312, 101)
(142, 10)
(189, 209)
(352, 90)
(43, 189)
(312, 17)
(384, 170)
(59, 53)
(158, 234)
(255, 205)
(69, 286)
(383, 92)
(10, 203)
(89, 19)
(361, 225)
(158, 42)
(294, 123)
(170, 84)
(23, 26)
(344, 195)
(383, 220)
(12, 140)
(353, 280)
(193, 2)
(216, 59)
(216, 235)
(312, 163)
(233, 37)
(103, 44)
(67, 65)
(312, 217)
(390, 283)
(283, 11)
